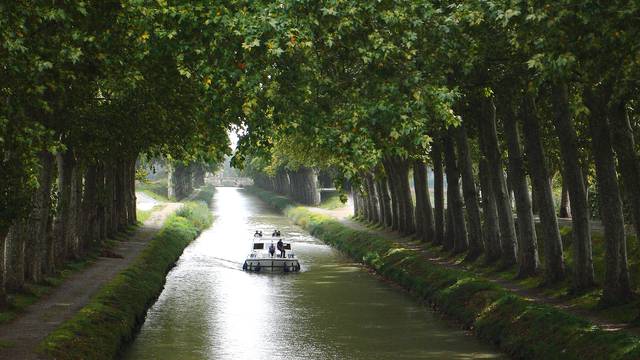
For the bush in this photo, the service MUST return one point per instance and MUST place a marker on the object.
(99, 330)
(205, 194)
(197, 212)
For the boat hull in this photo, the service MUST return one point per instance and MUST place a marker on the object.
(271, 265)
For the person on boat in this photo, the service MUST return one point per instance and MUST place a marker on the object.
(281, 248)
(257, 234)
(272, 249)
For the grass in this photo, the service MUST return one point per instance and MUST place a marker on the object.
(517, 326)
(205, 194)
(157, 190)
(332, 202)
(144, 215)
(5, 344)
(197, 212)
(563, 291)
(99, 330)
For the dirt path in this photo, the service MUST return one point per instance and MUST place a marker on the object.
(25, 332)
(344, 216)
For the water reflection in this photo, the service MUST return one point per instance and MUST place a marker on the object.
(333, 309)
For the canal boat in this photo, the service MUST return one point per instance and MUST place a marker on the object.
(271, 254)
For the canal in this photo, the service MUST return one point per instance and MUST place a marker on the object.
(333, 309)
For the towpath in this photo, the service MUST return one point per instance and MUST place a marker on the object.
(21, 336)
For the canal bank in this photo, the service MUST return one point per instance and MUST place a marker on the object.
(112, 316)
(332, 309)
(519, 327)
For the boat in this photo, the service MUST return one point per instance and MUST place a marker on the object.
(265, 256)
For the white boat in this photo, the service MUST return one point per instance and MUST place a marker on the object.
(265, 255)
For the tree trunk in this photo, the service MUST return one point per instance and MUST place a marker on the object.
(110, 208)
(171, 181)
(582, 255)
(282, 182)
(364, 201)
(529, 262)
(565, 202)
(76, 243)
(438, 192)
(133, 216)
(356, 204)
(498, 183)
(380, 204)
(491, 230)
(535, 207)
(14, 263)
(199, 173)
(405, 198)
(180, 184)
(470, 194)
(424, 211)
(308, 192)
(428, 210)
(625, 147)
(419, 190)
(101, 213)
(384, 202)
(64, 226)
(120, 195)
(3, 289)
(393, 189)
(38, 223)
(371, 192)
(450, 233)
(455, 204)
(616, 287)
(91, 231)
(554, 257)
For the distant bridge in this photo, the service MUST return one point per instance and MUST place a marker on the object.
(231, 181)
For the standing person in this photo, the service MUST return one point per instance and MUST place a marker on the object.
(281, 248)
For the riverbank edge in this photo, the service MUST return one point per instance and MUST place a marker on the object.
(520, 328)
(111, 319)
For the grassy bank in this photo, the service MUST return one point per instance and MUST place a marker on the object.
(99, 330)
(518, 327)
(331, 201)
(157, 189)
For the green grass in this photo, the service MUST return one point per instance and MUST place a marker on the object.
(197, 212)
(157, 190)
(5, 344)
(99, 330)
(563, 291)
(517, 326)
(205, 194)
(144, 215)
(332, 202)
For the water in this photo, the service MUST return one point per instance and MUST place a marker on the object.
(333, 309)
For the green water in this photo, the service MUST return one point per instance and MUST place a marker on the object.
(333, 309)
